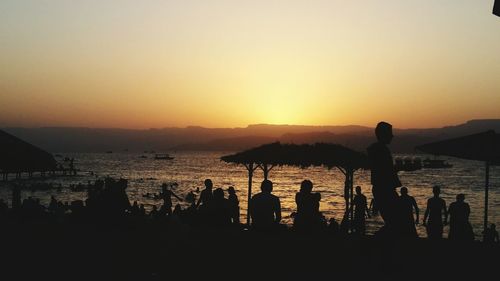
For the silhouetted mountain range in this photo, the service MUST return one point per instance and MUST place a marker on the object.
(62, 139)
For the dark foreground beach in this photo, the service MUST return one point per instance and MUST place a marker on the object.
(151, 251)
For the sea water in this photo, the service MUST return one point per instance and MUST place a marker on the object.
(190, 169)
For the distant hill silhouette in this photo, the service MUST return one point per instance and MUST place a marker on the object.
(228, 144)
(61, 139)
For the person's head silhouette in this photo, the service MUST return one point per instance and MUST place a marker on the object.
(219, 194)
(404, 191)
(266, 186)
(231, 190)
(493, 226)
(436, 190)
(383, 131)
(358, 190)
(460, 197)
(306, 186)
(208, 184)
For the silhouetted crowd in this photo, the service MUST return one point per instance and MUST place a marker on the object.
(107, 201)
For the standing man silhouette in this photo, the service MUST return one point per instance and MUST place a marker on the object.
(384, 178)
(408, 204)
(360, 206)
(460, 227)
(436, 207)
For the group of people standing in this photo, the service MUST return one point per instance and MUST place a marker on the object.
(212, 207)
(397, 210)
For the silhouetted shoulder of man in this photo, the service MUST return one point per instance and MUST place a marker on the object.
(265, 208)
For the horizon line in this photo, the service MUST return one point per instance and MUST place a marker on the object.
(236, 127)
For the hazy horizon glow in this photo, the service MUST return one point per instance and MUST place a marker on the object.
(227, 63)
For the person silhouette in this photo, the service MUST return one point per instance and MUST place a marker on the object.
(166, 194)
(265, 208)
(436, 207)
(333, 226)
(460, 228)
(384, 178)
(234, 205)
(407, 205)
(221, 215)
(491, 235)
(360, 206)
(52, 205)
(206, 194)
(306, 209)
(134, 210)
(154, 214)
(142, 210)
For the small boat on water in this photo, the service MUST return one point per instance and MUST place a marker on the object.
(163, 156)
(407, 164)
(436, 164)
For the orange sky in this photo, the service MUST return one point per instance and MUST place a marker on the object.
(231, 63)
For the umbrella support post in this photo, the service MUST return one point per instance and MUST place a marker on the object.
(266, 169)
(486, 190)
(351, 197)
(250, 169)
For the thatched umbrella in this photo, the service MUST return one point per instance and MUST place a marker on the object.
(17, 156)
(268, 156)
(480, 147)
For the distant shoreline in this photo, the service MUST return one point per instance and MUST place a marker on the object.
(232, 139)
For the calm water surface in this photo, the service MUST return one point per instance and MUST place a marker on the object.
(189, 169)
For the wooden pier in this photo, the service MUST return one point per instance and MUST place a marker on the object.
(7, 175)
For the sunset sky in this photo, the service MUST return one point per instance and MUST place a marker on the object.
(230, 63)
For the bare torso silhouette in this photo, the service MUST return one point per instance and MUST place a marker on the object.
(435, 208)
(265, 210)
(407, 205)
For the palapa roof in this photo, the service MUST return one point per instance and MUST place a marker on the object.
(304, 155)
(483, 146)
(17, 155)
